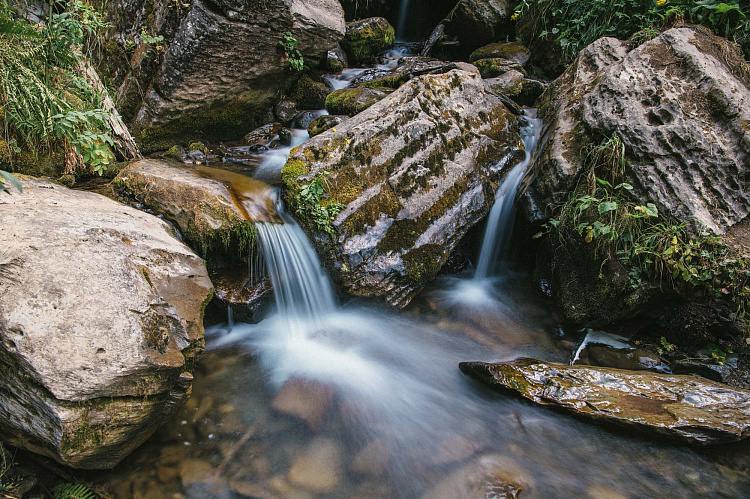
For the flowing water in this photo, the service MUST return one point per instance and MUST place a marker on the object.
(321, 400)
(403, 15)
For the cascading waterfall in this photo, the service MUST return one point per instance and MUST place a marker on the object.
(497, 236)
(301, 287)
(402, 17)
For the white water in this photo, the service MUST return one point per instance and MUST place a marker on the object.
(497, 236)
(275, 159)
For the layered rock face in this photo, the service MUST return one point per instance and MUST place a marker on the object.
(688, 408)
(220, 65)
(414, 172)
(680, 104)
(101, 320)
(479, 22)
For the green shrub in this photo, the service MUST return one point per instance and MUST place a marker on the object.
(574, 24)
(45, 102)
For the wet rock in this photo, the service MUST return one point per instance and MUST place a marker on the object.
(633, 359)
(307, 400)
(194, 471)
(324, 123)
(318, 467)
(176, 153)
(336, 61)
(492, 68)
(309, 94)
(285, 111)
(682, 104)
(513, 84)
(285, 137)
(305, 119)
(491, 476)
(728, 372)
(408, 68)
(372, 460)
(262, 135)
(214, 209)
(351, 101)
(221, 67)
(478, 22)
(100, 321)
(415, 171)
(454, 449)
(366, 39)
(688, 408)
(510, 51)
(248, 295)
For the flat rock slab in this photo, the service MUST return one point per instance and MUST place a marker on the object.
(101, 310)
(688, 408)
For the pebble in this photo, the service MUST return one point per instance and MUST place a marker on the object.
(317, 467)
(306, 400)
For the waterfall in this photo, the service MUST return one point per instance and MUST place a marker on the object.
(301, 287)
(402, 16)
(497, 236)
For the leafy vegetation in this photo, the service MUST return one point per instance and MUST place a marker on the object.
(289, 44)
(5, 176)
(653, 248)
(6, 463)
(73, 491)
(314, 203)
(45, 101)
(574, 24)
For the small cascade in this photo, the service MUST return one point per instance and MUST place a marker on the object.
(497, 236)
(403, 12)
(301, 287)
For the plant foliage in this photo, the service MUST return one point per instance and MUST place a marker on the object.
(44, 100)
(574, 24)
(289, 44)
(73, 491)
(314, 203)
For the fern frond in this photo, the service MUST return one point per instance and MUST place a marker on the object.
(73, 491)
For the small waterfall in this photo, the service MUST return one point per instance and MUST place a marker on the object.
(300, 285)
(497, 236)
(402, 16)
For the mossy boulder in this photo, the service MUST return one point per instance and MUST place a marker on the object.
(366, 39)
(680, 104)
(214, 209)
(101, 323)
(324, 123)
(478, 22)
(415, 172)
(494, 67)
(511, 51)
(350, 101)
(309, 94)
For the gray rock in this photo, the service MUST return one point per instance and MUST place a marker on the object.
(222, 66)
(366, 39)
(100, 321)
(351, 101)
(479, 22)
(324, 123)
(285, 111)
(510, 51)
(408, 67)
(515, 85)
(415, 171)
(687, 408)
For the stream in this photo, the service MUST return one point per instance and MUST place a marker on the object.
(323, 399)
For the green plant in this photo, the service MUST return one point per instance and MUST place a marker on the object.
(44, 100)
(6, 463)
(289, 44)
(665, 347)
(574, 24)
(719, 354)
(73, 491)
(314, 203)
(5, 176)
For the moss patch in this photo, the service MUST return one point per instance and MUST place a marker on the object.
(351, 101)
(366, 39)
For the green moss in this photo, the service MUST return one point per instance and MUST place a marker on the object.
(423, 264)
(512, 51)
(492, 68)
(290, 173)
(196, 146)
(351, 101)
(366, 39)
(309, 94)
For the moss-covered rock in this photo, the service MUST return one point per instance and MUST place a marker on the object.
(511, 51)
(324, 123)
(414, 172)
(408, 67)
(492, 68)
(309, 94)
(350, 101)
(366, 39)
(214, 209)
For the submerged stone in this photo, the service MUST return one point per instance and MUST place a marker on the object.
(100, 321)
(687, 408)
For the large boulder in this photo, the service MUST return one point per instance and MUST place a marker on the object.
(366, 39)
(414, 173)
(680, 104)
(101, 321)
(687, 408)
(214, 209)
(219, 67)
(479, 22)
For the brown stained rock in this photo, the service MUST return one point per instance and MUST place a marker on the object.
(687, 408)
(309, 401)
(317, 467)
(490, 476)
(100, 322)
(415, 172)
(373, 459)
